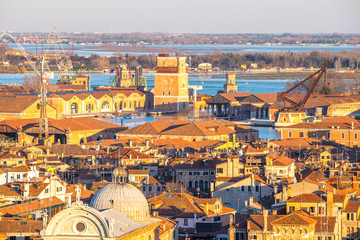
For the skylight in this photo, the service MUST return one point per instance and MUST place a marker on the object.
(219, 122)
(172, 123)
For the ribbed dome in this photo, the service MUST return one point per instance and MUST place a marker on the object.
(123, 197)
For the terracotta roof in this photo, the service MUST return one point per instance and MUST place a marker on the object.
(283, 161)
(352, 206)
(127, 153)
(307, 197)
(256, 222)
(138, 171)
(178, 204)
(326, 125)
(16, 104)
(63, 125)
(21, 226)
(69, 150)
(7, 155)
(27, 207)
(21, 168)
(294, 218)
(153, 128)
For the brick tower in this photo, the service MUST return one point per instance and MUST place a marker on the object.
(230, 86)
(171, 90)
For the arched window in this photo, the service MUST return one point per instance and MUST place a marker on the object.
(105, 106)
(74, 108)
(201, 185)
(190, 184)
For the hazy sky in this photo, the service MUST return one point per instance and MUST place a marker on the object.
(185, 16)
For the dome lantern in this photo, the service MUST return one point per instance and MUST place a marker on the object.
(119, 175)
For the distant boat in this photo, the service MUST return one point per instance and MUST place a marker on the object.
(202, 82)
(246, 83)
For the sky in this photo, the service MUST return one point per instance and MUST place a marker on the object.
(185, 16)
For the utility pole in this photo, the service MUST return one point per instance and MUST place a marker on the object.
(43, 125)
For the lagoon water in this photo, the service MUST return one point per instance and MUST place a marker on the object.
(87, 50)
(210, 83)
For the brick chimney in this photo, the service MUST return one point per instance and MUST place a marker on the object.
(265, 216)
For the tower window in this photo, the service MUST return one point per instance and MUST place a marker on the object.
(169, 93)
(163, 93)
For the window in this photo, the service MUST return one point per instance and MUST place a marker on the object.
(212, 173)
(291, 209)
(158, 188)
(355, 136)
(301, 134)
(319, 238)
(281, 171)
(18, 176)
(312, 209)
(163, 93)
(59, 189)
(350, 217)
(216, 219)
(249, 188)
(342, 135)
(46, 190)
(315, 135)
(290, 134)
(150, 188)
(284, 119)
(186, 223)
(321, 210)
(206, 173)
(197, 173)
(179, 173)
(190, 184)
(144, 188)
(169, 93)
(190, 173)
(242, 188)
(328, 135)
(219, 170)
(257, 188)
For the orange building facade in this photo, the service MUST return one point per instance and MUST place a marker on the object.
(347, 134)
(171, 88)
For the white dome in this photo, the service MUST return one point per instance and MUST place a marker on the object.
(123, 197)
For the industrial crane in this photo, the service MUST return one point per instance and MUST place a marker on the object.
(43, 122)
(294, 113)
(62, 60)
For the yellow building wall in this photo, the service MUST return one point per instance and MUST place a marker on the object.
(90, 105)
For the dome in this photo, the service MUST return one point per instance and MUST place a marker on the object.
(123, 197)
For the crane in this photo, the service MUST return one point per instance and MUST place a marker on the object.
(288, 115)
(299, 106)
(62, 60)
(43, 122)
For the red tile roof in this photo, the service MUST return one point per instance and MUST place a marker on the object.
(27, 207)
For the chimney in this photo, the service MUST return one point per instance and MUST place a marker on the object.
(130, 143)
(232, 229)
(147, 143)
(330, 201)
(251, 200)
(265, 215)
(26, 189)
(207, 208)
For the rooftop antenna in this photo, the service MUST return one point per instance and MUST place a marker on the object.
(43, 125)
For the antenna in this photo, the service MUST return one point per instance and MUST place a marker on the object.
(43, 125)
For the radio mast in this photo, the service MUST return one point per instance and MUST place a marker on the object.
(43, 125)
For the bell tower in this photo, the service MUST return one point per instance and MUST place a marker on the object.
(230, 86)
(171, 87)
